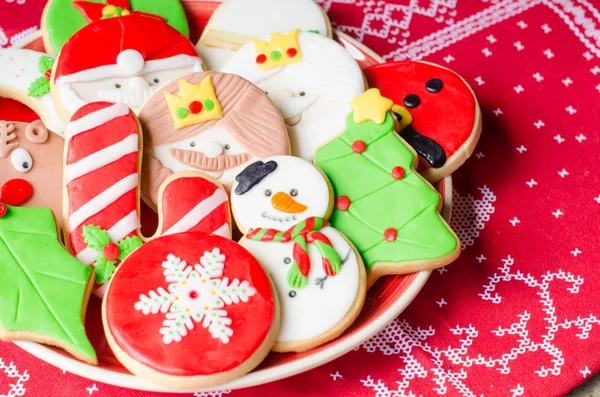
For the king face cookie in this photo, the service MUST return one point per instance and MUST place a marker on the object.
(229, 27)
(443, 119)
(210, 122)
(310, 78)
(282, 204)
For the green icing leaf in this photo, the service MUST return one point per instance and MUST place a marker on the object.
(46, 64)
(378, 201)
(95, 237)
(128, 245)
(42, 287)
(104, 270)
(40, 87)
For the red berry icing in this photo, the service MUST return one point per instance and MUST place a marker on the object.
(390, 234)
(195, 107)
(111, 252)
(15, 192)
(398, 172)
(262, 58)
(47, 74)
(359, 146)
(342, 203)
(292, 52)
(3, 210)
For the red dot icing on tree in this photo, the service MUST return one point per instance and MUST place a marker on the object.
(359, 146)
(111, 251)
(390, 234)
(398, 173)
(195, 107)
(342, 203)
(292, 52)
(15, 192)
(3, 210)
(262, 58)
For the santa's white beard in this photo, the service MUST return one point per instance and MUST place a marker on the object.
(130, 97)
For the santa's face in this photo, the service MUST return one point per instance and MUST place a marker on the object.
(278, 193)
(213, 151)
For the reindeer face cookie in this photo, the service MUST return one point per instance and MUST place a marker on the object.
(282, 204)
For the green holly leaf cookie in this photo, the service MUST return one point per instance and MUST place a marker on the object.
(46, 64)
(40, 87)
(43, 288)
(128, 245)
(95, 237)
(104, 270)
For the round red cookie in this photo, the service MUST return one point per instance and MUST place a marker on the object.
(190, 310)
(446, 119)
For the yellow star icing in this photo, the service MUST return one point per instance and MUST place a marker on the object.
(371, 106)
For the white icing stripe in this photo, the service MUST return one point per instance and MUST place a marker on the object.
(95, 119)
(223, 231)
(118, 232)
(199, 212)
(102, 158)
(102, 201)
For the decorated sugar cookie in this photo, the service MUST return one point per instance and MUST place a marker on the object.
(210, 122)
(443, 122)
(102, 191)
(62, 18)
(25, 77)
(382, 204)
(282, 204)
(31, 168)
(190, 310)
(138, 55)
(43, 290)
(310, 78)
(230, 26)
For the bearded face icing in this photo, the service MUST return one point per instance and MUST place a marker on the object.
(210, 122)
(310, 78)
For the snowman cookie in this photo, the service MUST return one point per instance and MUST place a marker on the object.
(210, 122)
(282, 204)
(190, 310)
(102, 164)
(310, 78)
(229, 27)
(443, 119)
(31, 166)
(25, 77)
(128, 67)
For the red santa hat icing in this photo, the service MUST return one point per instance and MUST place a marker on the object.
(121, 47)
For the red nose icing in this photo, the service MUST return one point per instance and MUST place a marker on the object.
(15, 192)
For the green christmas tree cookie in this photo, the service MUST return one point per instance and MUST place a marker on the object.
(43, 289)
(383, 205)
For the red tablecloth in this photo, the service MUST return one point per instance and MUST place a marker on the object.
(518, 313)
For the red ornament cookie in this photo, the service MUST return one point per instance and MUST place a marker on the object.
(440, 114)
(190, 310)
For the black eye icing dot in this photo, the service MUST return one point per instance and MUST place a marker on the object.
(302, 93)
(227, 147)
(412, 101)
(293, 193)
(292, 294)
(434, 85)
(117, 85)
(156, 81)
(192, 144)
(25, 165)
(287, 260)
(267, 192)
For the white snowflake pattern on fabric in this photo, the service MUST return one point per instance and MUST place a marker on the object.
(16, 388)
(196, 294)
(469, 215)
(218, 393)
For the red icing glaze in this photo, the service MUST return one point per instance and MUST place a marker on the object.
(398, 172)
(359, 146)
(447, 116)
(262, 58)
(197, 353)
(390, 234)
(111, 251)
(3, 210)
(342, 203)
(195, 107)
(15, 192)
(16, 111)
(291, 52)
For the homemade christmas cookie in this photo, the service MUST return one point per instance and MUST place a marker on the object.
(237, 22)
(310, 78)
(190, 310)
(282, 206)
(31, 169)
(443, 119)
(62, 18)
(138, 54)
(211, 122)
(43, 290)
(382, 204)
(101, 195)
(25, 77)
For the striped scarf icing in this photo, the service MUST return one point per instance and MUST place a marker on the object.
(302, 234)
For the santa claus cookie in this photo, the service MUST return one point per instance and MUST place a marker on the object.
(102, 164)
(31, 166)
(229, 27)
(442, 119)
(25, 77)
(310, 78)
(62, 18)
(382, 204)
(122, 59)
(210, 122)
(190, 310)
(282, 205)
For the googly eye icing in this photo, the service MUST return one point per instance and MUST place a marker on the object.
(21, 160)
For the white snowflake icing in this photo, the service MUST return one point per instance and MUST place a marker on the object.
(196, 294)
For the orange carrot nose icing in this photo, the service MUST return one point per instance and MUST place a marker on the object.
(285, 203)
